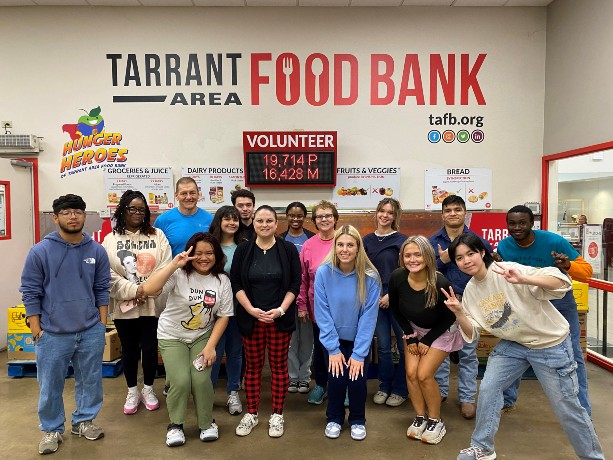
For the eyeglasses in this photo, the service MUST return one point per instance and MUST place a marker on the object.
(133, 210)
(295, 216)
(71, 212)
(324, 216)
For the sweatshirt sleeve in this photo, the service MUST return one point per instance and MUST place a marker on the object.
(394, 301)
(102, 278)
(367, 320)
(467, 302)
(580, 269)
(32, 279)
(327, 331)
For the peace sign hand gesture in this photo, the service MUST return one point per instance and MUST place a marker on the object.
(512, 275)
(452, 301)
(182, 258)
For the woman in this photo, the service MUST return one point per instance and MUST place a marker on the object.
(266, 279)
(301, 346)
(325, 216)
(135, 250)
(382, 248)
(347, 292)
(429, 330)
(196, 315)
(511, 301)
(225, 227)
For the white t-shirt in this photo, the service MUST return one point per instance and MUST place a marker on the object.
(517, 312)
(193, 304)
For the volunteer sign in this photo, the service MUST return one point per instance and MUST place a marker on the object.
(215, 184)
(363, 188)
(474, 185)
(154, 182)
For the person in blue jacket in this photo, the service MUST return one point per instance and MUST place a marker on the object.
(65, 289)
(347, 288)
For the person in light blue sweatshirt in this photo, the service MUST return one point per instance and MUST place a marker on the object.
(65, 289)
(347, 289)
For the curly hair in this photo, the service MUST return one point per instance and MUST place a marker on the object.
(122, 208)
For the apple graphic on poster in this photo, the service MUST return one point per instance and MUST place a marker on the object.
(92, 123)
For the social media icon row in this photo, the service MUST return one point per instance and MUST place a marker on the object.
(462, 136)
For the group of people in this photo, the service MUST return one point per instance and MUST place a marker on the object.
(199, 287)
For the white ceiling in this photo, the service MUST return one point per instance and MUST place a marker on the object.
(277, 3)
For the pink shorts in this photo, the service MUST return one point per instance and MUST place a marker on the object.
(448, 341)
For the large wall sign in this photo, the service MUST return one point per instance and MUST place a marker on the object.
(290, 158)
(215, 184)
(363, 188)
(155, 183)
(474, 185)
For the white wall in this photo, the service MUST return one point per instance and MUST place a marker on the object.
(54, 63)
(597, 196)
(579, 94)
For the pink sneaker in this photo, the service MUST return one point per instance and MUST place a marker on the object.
(132, 402)
(149, 399)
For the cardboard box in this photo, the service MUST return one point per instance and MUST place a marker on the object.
(112, 347)
(583, 323)
(20, 346)
(485, 346)
(580, 293)
(17, 320)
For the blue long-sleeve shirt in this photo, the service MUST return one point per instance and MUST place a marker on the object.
(338, 311)
(66, 283)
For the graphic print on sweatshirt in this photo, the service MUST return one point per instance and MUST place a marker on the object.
(497, 312)
(137, 265)
(202, 312)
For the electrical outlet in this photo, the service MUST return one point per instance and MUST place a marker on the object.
(6, 124)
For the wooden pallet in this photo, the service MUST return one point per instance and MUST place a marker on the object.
(27, 368)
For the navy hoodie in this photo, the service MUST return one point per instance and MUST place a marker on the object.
(66, 283)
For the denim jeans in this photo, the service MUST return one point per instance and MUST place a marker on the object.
(231, 343)
(300, 352)
(555, 369)
(391, 380)
(568, 307)
(468, 368)
(338, 387)
(54, 352)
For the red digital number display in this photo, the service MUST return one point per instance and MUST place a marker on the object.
(290, 158)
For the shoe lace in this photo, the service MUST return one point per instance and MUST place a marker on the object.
(477, 452)
(132, 398)
(247, 420)
(276, 421)
(419, 420)
(233, 399)
(432, 422)
(49, 436)
(149, 396)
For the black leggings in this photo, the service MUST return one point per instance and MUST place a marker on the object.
(138, 336)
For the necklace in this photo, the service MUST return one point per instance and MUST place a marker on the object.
(266, 249)
(382, 237)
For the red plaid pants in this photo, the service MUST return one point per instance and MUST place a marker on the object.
(266, 336)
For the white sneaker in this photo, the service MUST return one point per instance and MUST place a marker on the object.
(210, 434)
(132, 402)
(434, 432)
(380, 397)
(417, 428)
(395, 400)
(333, 430)
(358, 432)
(175, 436)
(149, 399)
(275, 426)
(234, 403)
(248, 422)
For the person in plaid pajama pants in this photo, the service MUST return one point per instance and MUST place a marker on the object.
(265, 277)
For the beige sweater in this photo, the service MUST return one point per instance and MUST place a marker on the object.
(133, 258)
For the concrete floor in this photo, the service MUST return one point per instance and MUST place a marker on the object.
(531, 432)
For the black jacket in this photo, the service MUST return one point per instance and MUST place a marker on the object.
(290, 282)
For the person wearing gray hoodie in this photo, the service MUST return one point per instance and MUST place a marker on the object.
(65, 290)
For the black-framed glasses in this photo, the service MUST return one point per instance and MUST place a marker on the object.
(69, 212)
(133, 210)
(324, 216)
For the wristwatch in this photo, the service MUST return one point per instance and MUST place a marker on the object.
(281, 311)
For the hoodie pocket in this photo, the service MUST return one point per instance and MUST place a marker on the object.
(72, 315)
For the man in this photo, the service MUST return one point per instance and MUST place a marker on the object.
(180, 223)
(65, 289)
(539, 248)
(454, 216)
(244, 201)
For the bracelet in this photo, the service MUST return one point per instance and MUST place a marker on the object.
(281, 311)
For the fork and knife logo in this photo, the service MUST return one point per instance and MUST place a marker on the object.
(317, 67)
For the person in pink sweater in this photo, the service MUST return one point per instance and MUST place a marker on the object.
(314, 250)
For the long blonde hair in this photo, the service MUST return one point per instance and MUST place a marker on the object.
(427, 253)
(363, 266)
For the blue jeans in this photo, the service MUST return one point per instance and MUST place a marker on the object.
(555, 369)
(231, 343)
(468, 368)
(568, 307)
(391, 380)
(320, 359)
(337, 388)
(54, 352)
